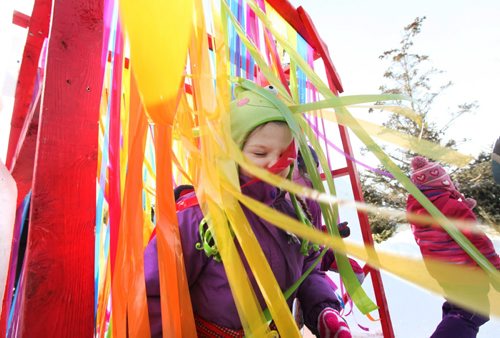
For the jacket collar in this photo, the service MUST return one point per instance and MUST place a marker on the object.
(259, 190)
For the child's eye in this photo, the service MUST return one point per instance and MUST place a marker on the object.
(260, 154)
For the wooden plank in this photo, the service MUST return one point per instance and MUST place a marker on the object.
(23, 161)
(22, 172)
(286, 10)
(58, 294)
(336, 87)
(21, 19)
(319, 46)
(378, 286)
(38, 31)
(8, 196)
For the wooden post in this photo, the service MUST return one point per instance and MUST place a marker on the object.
(334, 83)
(58, 295)
(37, 32)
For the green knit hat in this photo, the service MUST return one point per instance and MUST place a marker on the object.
(248, 111)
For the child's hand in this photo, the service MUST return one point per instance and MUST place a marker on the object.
(344, 229)
(332, 325)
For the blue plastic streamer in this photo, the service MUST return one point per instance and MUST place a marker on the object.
(302, 48)
(104, 160)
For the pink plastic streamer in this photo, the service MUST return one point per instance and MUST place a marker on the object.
(330, 144)
(114, 146)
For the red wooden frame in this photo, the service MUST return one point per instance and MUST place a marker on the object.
(57, 299)
(58, 296)
(302, 23)
(22, 172)
(38, 31)
(21, 19)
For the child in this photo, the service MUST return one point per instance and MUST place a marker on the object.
(434, 242)
(259, 128)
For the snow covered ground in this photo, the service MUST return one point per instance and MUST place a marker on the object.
(414, 312)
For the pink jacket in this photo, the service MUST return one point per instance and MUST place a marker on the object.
(435, 241)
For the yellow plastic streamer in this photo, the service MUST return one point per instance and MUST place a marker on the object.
(420, 146)
(209, 192)
(129, 293)
(159, 33)
(159, 48)
(410, 269)
(345, 118)
(330, 97)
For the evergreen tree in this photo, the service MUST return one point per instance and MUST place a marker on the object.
(476, 181)
(411, 74)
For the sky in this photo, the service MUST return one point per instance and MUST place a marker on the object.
(12, 39)
(461, 38)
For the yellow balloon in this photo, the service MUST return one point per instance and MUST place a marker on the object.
(159, 33)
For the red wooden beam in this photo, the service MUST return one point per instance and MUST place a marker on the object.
(336, 173)
(23, 174)
(38, 31)
(384, 313)
(289, 13)
(24, 158)
(58, 295)
(320, 47)
(21, 19)
(300, 21)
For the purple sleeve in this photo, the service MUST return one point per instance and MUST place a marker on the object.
(315, 293)
(315, 211)
(153, 288)
(194, 260)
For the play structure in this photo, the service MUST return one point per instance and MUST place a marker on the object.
(119, 102)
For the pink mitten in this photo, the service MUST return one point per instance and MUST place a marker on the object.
(332, 325)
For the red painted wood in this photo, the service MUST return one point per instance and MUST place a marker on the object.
(336, 86)
(22, 171)
(58, 297)
(337, 173)
(24, 159)
(378, 286)
(318, 44)
(38, 31)
(21, 19)
(302, 23)
(289, 13)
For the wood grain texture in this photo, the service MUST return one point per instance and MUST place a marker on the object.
(38, 31)
(57, 298)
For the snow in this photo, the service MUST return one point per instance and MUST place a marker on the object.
(414, 312)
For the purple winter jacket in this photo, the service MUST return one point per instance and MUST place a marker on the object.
(208, 285)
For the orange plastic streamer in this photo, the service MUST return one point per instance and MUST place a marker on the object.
(177, 314)
(208, 109)
(158, 51)
(129, 288)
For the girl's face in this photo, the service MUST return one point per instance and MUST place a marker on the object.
(266, 144)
